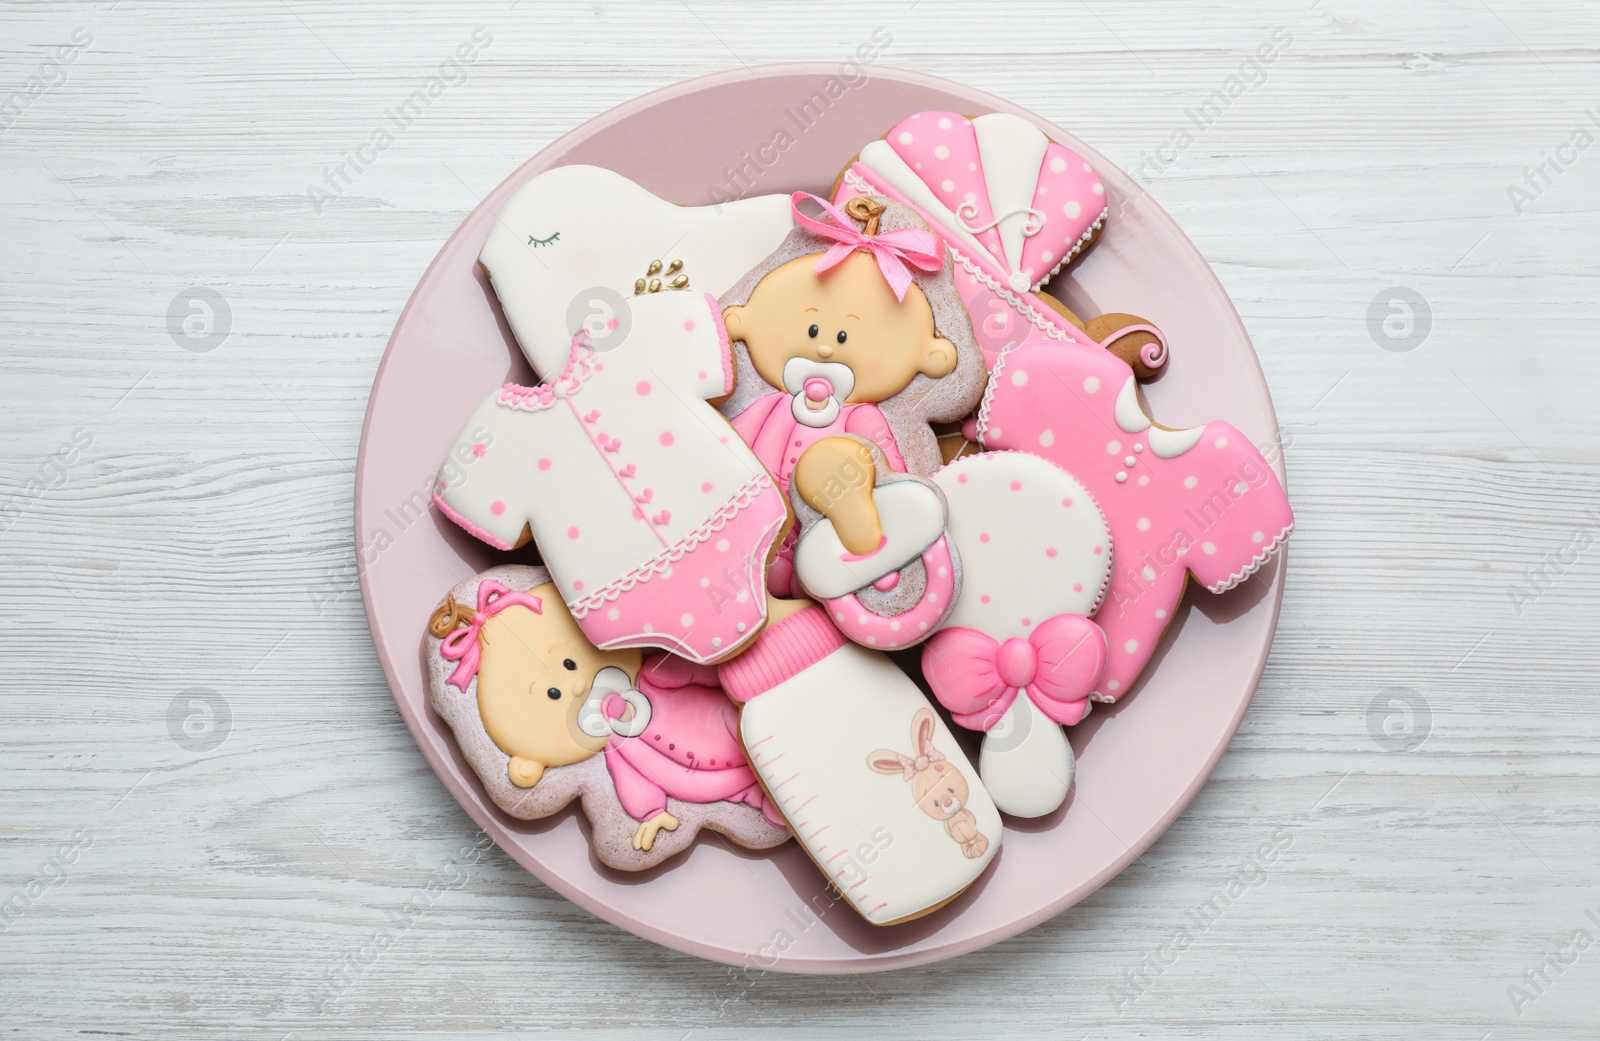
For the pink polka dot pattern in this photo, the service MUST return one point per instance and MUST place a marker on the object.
(497, 507)
(643, 388)
(479, 449)
(666, 439)
(572, 532)
(1067, 195)
(544, 464)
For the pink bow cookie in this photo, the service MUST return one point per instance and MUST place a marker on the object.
(977, 678)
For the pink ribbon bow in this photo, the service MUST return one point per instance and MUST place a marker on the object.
(462, 644)
(896, 251)
(912, 767)
(977, 679)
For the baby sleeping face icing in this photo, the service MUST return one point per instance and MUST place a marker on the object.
(839, 337)
(540, 685)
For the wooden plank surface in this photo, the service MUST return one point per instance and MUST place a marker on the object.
(180, 542)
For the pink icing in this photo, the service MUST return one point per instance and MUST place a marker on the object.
(690, 750)
(470, 528)
(1204, 502)
(895, 632)
(462, 645)
(977, 679)
(943, 152)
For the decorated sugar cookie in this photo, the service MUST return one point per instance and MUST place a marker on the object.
(1012, 206)
(574, 246)
(1198, 501)
(654, 518)
(1018, 656)
(649, 745)
(822, 719)
(875, 551)
(852, 327)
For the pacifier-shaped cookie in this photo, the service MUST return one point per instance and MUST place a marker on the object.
(874, 549)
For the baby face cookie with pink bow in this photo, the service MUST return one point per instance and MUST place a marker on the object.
(852, 326)
(850, 330)
(648, 745)
(1018, 656)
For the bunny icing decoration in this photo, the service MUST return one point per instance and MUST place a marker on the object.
(939, 789)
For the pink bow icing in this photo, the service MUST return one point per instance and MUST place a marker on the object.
(462, 644)
(977, 678)
(912, 767)
(896, 251)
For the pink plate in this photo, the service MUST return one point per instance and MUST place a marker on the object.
(1139, 763)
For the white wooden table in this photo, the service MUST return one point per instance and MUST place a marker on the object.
(212, 821)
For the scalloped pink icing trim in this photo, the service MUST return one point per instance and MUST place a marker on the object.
(661, 561)
(471, 528)
(1255, 564)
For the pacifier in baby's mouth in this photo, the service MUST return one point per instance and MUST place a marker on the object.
(819, 389)
(606, 709)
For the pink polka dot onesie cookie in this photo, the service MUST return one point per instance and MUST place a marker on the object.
(1200, 501)
(639, 495)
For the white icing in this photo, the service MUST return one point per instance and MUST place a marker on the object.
(1014, 568)
(1011, 150)
(591, 717)
(610, 229)
(912, 515)
(809, 738)
(1130, 414)
(882, 160)
(1026, 762)
(543, 465)
(840, 378)
(1170, 443)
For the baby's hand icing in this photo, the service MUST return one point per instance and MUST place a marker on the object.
(835, 477)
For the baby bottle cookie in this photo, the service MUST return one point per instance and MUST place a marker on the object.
(648, 745)
(870, 780)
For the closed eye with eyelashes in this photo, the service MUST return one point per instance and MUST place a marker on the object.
(535, 241)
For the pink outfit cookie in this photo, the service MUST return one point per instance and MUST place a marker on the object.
(652, 515)
(1013, 207)
(649, 745)
(690, 748)
(1200, 501)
